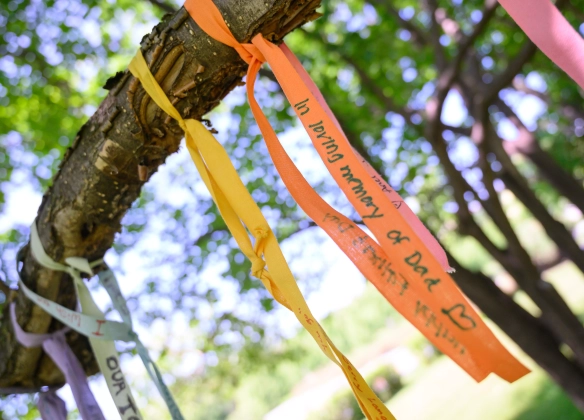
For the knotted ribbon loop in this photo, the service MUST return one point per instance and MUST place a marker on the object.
(416, 264)
(257, 267)
(237, 198)
(139, 68)
(29, 340)
(239, 210)
(212, 23)
(258, 264)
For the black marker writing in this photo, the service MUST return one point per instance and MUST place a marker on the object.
(397, 237)
(414, 261)
(431, 282)
(329, 142)
(459, 317)
(361, 192)
(343, 226)
(301, 106)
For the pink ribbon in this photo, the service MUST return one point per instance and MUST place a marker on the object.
(550, 31)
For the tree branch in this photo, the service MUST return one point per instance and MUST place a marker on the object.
(517, 184)
(463, 131)
(5, 289)
(418, 35)
(555, 312)
(467, 223)
(451, 71)
(431, 7)
(527, 144)
(520, 86)
(515, 65)
(467, 41)
(99, 178)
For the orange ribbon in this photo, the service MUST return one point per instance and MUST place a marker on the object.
(412, 280)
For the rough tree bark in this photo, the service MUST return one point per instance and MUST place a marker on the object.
(117, 150)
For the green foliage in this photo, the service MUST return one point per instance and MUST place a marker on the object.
(444, 392)
(262, 390)
(426, 350)
(55, 56)
(20, 406)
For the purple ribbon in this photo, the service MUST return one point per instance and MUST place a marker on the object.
(51, 407)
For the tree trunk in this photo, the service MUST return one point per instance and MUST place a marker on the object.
(526, 144)
(519, 186)
(117, 150)
(567, 185)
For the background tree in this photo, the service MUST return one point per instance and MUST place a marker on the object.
(400, 72)
(449, 100)
(473, 58)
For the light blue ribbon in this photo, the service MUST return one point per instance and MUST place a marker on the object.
(109, 282)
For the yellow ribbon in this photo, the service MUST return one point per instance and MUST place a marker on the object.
(239, 210)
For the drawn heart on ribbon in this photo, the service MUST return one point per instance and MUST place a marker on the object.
(458, 316)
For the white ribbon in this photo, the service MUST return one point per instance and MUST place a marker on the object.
(99, 330)
(91, 322)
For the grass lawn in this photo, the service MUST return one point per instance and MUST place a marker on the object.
(445, 392)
